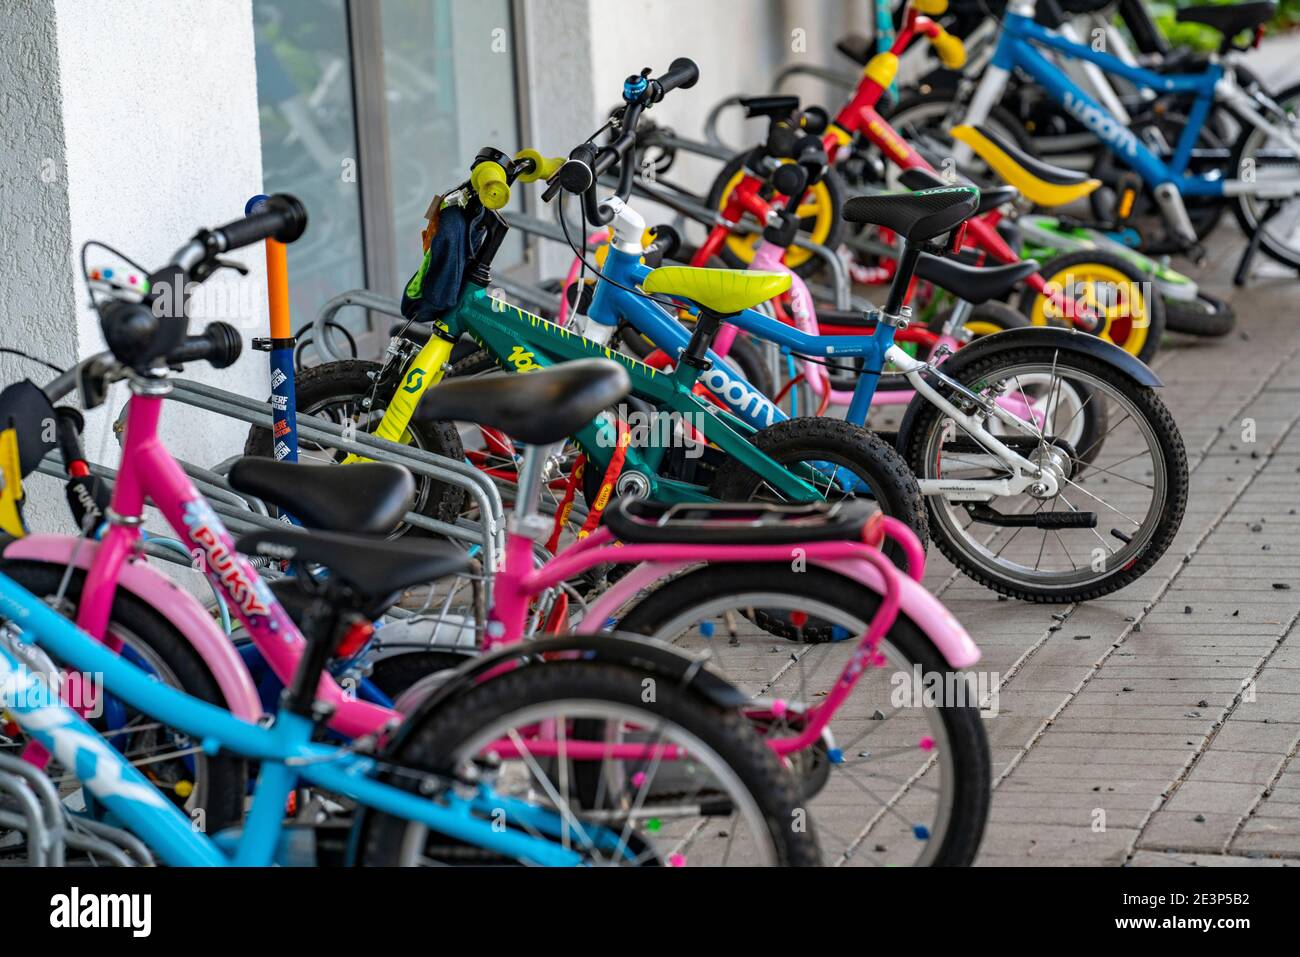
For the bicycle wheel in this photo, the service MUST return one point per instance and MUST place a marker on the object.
(891, 781)
(1266, 158)
(1132, 478)
(344, 393)
(210, 790)
(720, 798)
(819, 219)
(1205, 315)
(1132, 312)
(924, 117)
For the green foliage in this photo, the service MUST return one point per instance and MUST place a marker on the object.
(1201, 37)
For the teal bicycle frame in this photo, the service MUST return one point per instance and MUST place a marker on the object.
(523, 342)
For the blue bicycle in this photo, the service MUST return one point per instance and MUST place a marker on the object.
(1050, 468)
(1262, 177)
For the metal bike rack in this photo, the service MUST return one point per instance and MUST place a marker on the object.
(489, 532)
(49, 829)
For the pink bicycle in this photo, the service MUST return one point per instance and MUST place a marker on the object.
(678, 774)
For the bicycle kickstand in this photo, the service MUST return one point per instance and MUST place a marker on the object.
(1248, 255)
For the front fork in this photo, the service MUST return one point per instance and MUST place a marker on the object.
(1026, 472)
(424, 370)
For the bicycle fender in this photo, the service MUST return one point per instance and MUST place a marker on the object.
(181, 609)
(635, 651)
(915, 602)
(1067, 340)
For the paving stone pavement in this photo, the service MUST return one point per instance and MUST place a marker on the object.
(1168, 736)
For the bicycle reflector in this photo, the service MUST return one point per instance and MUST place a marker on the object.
(958, 237)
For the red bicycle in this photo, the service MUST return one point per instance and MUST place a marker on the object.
(1101, 298)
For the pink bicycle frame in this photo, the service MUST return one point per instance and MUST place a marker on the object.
(856, 560)
(149, 471)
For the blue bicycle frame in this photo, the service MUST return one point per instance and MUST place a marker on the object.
(285, 751)
(612, 304)
(1016, 50)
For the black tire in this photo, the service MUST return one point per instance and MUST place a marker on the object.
(434, 744)
(1206, 316)
(224, 786)
(820, 439)
(836, 196)
(1153, 304)
(994, 313)
(925, 416)
(1243, 208)
(351, 379)
(969, 745)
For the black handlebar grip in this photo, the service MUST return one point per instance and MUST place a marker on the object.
(282, 218)
(68, 425)
(219, 345)
(576, 175)
(790, 180)
(682, 75)
(780, 140)
(815, 120)
(667, 241)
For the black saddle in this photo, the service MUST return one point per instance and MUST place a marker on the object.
(537, 408)
(990, 197)
(856, 47)
(975, 284)
(374, 569)
(1056, 175)
(368, 498)
(737, 523)
(916, 216)
(1230, 20)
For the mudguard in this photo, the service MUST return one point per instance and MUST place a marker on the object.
(1066, 340)
(634, 651)
(174, 603)
(915, 602)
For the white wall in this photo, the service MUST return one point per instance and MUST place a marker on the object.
(134, 124)
(739, 45)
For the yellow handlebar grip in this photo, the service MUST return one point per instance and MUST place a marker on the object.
(543, 167)
(882, 68)
(931, 8)
(489, 181)
(952, 52)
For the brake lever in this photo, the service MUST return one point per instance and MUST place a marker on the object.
(230, 264)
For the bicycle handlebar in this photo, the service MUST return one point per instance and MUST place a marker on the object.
(588, 162)
(281, 217)
(145, 331)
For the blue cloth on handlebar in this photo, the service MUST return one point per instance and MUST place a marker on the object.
(436, 285)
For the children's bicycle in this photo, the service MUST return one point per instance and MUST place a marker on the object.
(1260, 180)
(1105, 297)
(422, 798)
(1073, 498)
